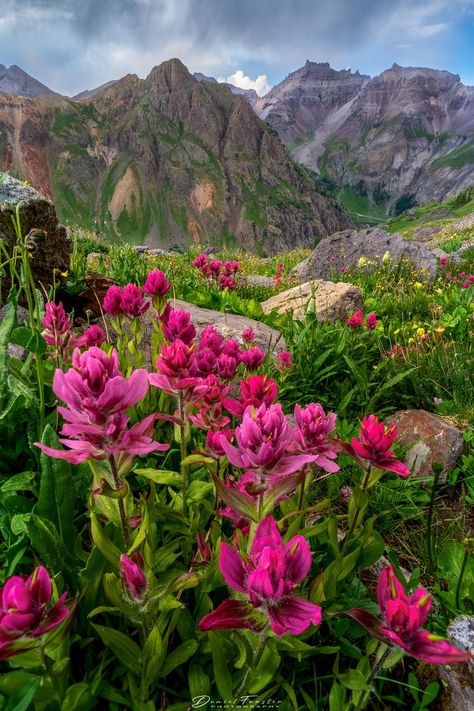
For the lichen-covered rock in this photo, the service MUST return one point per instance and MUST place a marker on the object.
(430, 439)
(330, 300)
(258, 280)
(49, 246)
(344, 249)
(460, 677)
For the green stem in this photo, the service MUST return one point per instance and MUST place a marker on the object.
(184, 466)
(461, 576)
(429, 521)
(250, 668)
(358, 508)
(121, 505)
(362, 703)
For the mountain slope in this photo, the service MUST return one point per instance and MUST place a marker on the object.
(14, 80)
(168, 159)
(406, 131)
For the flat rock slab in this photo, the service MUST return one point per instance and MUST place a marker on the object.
(50, 246)
(258, 280)
(432, 439)
(460, 677)
(343, 250)
(330, 300)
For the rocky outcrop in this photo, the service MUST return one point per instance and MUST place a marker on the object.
(330, 301)
(460, 677)
(46, 239)
(407, 131)
(430, 439)
(167, 161)
(344, 250)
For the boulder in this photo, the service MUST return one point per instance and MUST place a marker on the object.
(330, 300)
(344, 249)
(430, 439)
(258, 280)
(49, 245)
(460, 677)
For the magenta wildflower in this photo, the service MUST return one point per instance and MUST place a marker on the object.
(232, 348)
(284, 360)
(92, 336)
(263, 439)
(312, 435)
(355, 321)
(268, 579)
(200, 261)
(214, 441)
(112, 303)
(177, 325)
(249, 335)
(373, 445)
(226, 282)
(175, 367)
(256, 389)
(252, 358)
(57, 326)
(133, 303)
(371, 321)
(226, 366)
(97, 397)
(206, 361)
(211, 339)
(133, 578)
(26, 610)
(156, 284)
(403, 618)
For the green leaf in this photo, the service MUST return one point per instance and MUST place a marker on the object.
(337, 697)
(153, 653)
(222, 673)
(22, 700)
(353, 680)
(179, 656)
(108, 549)
(46, 541)
(161, 476)
(57, 492)
(78, 698)
(125, 649)
(198, 681)
(20, 482)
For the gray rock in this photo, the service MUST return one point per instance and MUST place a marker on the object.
(330, 300)
(425, 234)
(344, 249)
(157, 252)
(258, 280)
(438, 253)
(430, 439)
(49, 245)
(460, 677)
(140, 248)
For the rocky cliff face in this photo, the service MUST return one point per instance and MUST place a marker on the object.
(168, 159)
(14, 80)
(408, 130)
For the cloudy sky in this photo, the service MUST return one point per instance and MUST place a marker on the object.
(72, 45)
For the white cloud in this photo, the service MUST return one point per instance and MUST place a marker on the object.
(238, 78)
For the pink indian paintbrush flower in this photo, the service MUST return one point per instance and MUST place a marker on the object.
(214, 441)
(177, 325)
(97, 397)
(284, 360)
(92, 336)
(249, 335)
(26, 610)
(112, 303)
(355, 321)
(206, 361)
(134, 580)
(264, 439)
(371, 321)
(57, 326)
(256, 389)
(211, 391)
(403, 618)
(268, 579)
(312, 435)
(156, 284)
(373, 445)
(226, 366)
(211, 339)
(252, 358)
(231, 348)
(175, 369)
(133, 303)
(250, 486)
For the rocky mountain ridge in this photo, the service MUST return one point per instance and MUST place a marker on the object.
(407, 131)
(168, 160)
(13, 80)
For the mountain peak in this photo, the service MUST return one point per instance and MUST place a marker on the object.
(14, 80)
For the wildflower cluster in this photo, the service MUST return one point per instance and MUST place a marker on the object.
(217, 271)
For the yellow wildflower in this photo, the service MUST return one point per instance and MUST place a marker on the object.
(411, 340)
(418, 285)
(420, 331)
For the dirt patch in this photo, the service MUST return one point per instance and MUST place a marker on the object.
(122, 197)
(202, 195)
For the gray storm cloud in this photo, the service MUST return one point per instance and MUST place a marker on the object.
(71, 44)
